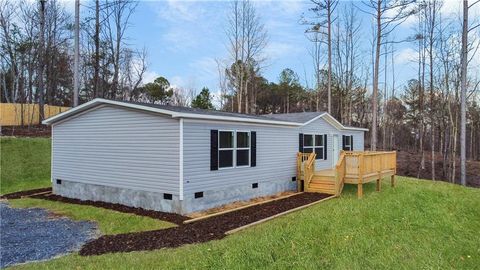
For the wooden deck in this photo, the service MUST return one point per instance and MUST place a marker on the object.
(353, 167)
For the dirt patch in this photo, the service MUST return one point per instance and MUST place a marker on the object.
(170, 217)
(20, 194)
(32, 131)
(238, 204)
(408, 164)
(195, 232)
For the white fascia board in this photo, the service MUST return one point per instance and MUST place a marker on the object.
(234, 119)
(162, 111)
(356, 129)
(52, 119)
(104, 101)
(334, 122)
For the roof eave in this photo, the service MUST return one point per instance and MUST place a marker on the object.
(235, 119)
(334, 122)
(173, 114)
(356, 129)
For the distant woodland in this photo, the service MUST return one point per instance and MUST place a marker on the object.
(437, 113)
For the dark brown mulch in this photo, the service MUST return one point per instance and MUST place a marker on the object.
(170, 217)
(20, 194)
(196, 232)
(32, 131)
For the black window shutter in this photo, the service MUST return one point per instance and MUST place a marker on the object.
(351, 142)
(253, 150)
(300, 143)
(343, 142)
(325, 146)
(213, 150)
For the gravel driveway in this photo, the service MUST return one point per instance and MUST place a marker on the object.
(36, 234)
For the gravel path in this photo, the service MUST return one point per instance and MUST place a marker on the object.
(36, 234)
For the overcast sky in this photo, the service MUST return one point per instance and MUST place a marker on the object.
(183, 39)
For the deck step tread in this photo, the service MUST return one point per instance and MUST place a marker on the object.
(326, 191)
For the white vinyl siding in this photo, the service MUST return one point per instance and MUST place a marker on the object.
(118, 147)
(276, 155)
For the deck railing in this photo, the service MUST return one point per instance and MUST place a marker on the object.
(366, 166)
(353, 167)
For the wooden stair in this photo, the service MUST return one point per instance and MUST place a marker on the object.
(322, 182)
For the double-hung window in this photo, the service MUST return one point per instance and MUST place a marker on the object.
(319, 146)
(243, 148)
(233, 149)
(226, 147)
(314, 143)
(348, 142)
(308, 143)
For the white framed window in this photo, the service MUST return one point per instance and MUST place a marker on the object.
(319, 146)
(226, 148)
(314, 143)
(348, 142)
(242, 149)
(234, 149)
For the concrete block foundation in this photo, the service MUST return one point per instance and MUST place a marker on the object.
(155, 200)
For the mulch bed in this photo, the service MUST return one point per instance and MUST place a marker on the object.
(32, 131)
(170, 217)
(195, 232)
(20, 194)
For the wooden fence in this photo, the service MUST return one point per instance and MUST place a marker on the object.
(16, 114)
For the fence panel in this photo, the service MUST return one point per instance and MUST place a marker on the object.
(17, 114)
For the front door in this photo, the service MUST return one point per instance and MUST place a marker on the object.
(336, 151)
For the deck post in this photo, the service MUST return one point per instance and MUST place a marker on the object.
(299, 171)
(360, 179)
(393, 180)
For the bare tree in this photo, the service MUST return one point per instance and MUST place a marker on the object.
(41, 60)
(385, 23)
(463, 96)
(76, 78)
(116, 15)
(322, 24)
(96, 64)
(432, 8)
(247, 39)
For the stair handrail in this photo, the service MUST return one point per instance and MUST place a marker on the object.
(309, 169)
(340, 171)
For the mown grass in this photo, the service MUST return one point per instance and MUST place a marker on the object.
(417, 225)
(108, 221)
(25, 164)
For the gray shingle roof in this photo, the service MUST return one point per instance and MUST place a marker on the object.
(290, 119)
(201, 111)
(300, 117)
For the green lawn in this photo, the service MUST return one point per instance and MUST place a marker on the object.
(25, 164)
(417, 225)
(108, 221)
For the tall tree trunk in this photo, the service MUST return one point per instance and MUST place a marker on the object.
(463, 96)
(375, 77)
(41, 61)
(76, 79)
(432, 14)
(96, 76)
(329, 37)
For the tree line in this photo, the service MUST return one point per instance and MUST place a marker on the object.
(436, 113)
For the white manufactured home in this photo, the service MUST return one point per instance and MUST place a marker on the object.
(182, 160)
